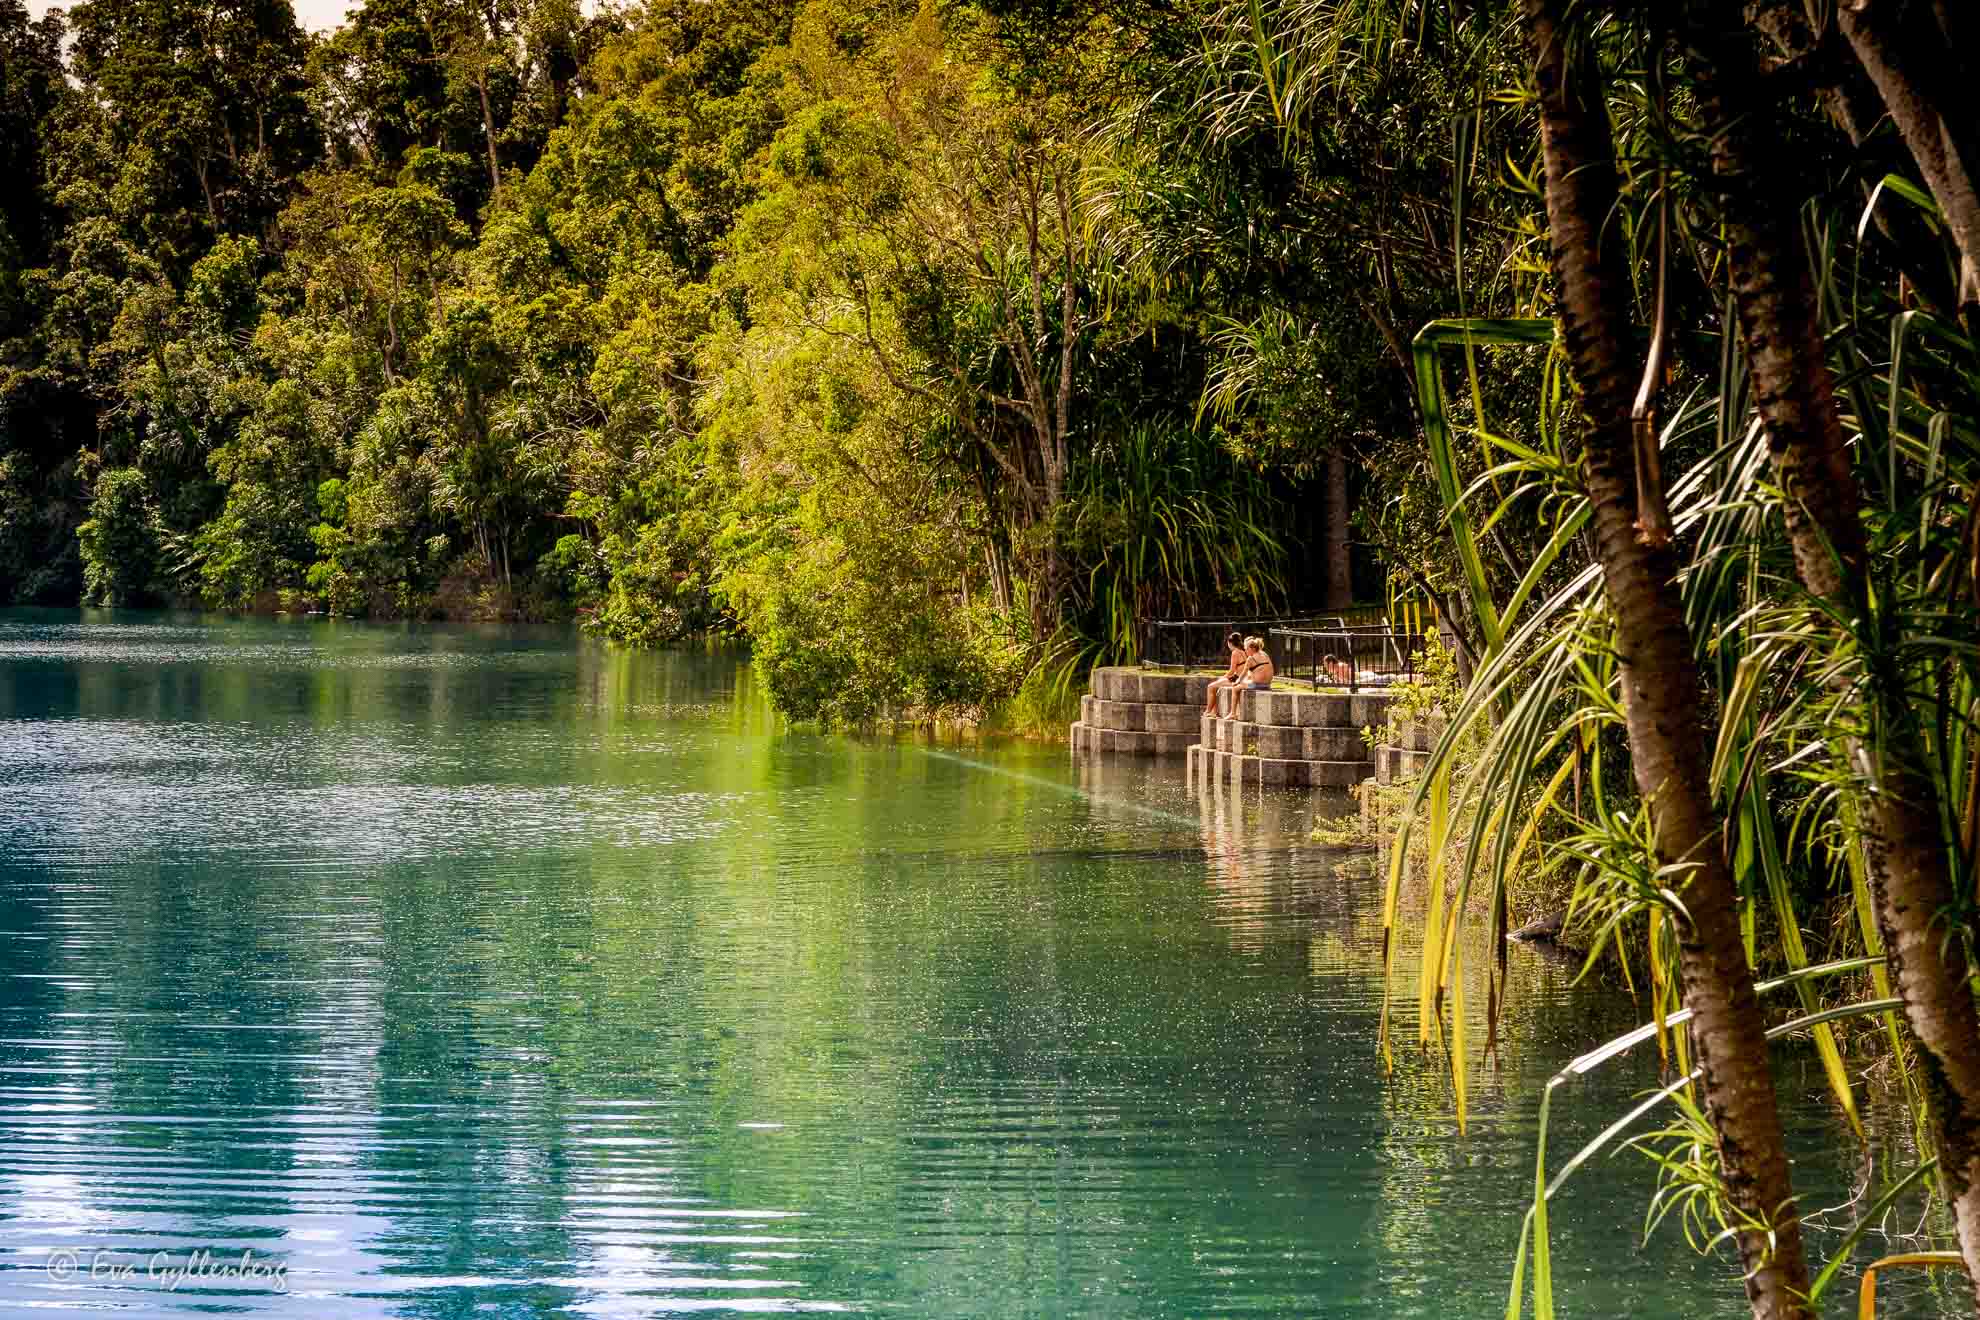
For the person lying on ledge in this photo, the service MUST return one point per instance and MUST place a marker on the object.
(1336, 670)
(1258, 669)
(1230, 678)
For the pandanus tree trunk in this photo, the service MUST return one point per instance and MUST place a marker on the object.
(1923, 59)
(1852, 103)
(1662, 694)
(1911, 882)
(1340, 574)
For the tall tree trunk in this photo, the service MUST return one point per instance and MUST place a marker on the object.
(200, 167)
(1043, 528)
(488, 131)
(1661, 689)
(1925, 75)
(1911, 882)
(1000, 574)
(1340, 576)
(392, 326)
(1853, 104)
(1054, 413)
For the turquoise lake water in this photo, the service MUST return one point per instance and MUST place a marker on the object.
(489, 971)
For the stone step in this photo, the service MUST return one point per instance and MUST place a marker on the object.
(1421, 735)
(1301, 710)
(1232, 735)
(1394, 764)
(1275, 740)
(1140, 716)
(1324, 744)
(1129, 742)
(1163, 717)
(1300, 773)
(1104, 714)
(1206, 765)
(1125, 683)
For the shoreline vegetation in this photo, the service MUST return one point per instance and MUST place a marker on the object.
(932, 351)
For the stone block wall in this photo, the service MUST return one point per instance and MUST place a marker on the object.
(1131, 712)
(1410, 753)
(1282, 736)
(1286, 737)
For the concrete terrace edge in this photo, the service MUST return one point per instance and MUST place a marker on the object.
(1279, 736)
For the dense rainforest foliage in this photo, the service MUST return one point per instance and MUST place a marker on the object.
(937, 348)
(891, 338)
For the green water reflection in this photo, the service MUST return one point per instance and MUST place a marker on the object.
(491, 971)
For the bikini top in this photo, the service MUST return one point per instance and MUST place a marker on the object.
(1261, 660)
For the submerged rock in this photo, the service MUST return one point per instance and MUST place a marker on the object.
(1544, 938)
(1547, 930)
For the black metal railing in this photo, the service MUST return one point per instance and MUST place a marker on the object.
(1351, 649)
(1199, 643)
(1354, 656)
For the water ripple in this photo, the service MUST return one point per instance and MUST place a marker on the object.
(484, 971)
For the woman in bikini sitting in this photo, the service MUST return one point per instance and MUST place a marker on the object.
(1230, 678)
(1258, 669)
